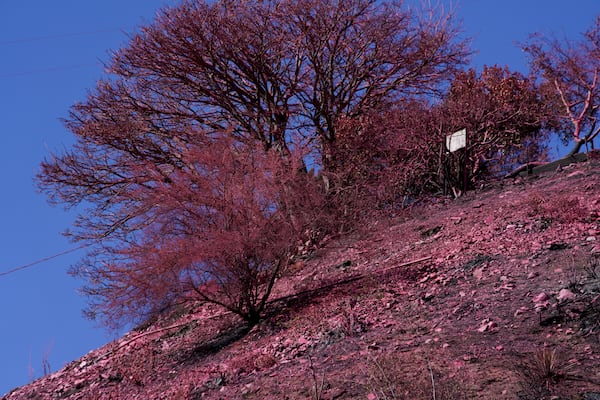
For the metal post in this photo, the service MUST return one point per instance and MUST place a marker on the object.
(465, 161)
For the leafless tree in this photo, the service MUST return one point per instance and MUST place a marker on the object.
(570, 71)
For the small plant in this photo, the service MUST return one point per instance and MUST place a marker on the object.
(351, 323)
(318, 383)
(541, 373)
(535, 203)
(592, 267)
(589, 319)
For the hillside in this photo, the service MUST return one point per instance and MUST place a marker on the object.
(494, 295)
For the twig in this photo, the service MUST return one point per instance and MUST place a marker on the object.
(318, 388)
(166, 328)
(406, 264)
(432, 380)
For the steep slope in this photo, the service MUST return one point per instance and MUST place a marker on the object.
(493, 295)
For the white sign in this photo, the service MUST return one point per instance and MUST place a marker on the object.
(457, 140)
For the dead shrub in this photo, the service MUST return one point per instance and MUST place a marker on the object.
(251, 362)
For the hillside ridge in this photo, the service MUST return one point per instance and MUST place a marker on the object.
(461, 296)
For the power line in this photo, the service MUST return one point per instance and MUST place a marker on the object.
(57, 36)
(45, 70)
(41, 260)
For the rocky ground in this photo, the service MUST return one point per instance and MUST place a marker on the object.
(493, 295)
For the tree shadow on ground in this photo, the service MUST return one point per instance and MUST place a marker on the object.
(201, 350)
(340, 288)
(236, 330)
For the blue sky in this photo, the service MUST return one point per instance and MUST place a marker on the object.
(51, 53)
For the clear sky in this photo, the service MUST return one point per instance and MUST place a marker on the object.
(50, 55)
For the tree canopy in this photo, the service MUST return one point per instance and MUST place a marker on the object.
(193, 153)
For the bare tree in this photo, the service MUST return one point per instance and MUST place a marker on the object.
(570, 72)
(362, 54)
(281, 69)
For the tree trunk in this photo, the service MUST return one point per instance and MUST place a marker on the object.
(577, 147)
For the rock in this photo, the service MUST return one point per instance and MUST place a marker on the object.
(590, 239)
(520, 311)
(487, 326)
(302, 341)
(428, 296)
(540, 298)
(457, 220)
(532, 275)
(564, 295)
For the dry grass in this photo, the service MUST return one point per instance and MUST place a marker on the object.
(387, 380)
(542, 373)
(562, 208)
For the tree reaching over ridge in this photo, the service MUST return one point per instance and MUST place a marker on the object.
(570, 72)
(361, 55)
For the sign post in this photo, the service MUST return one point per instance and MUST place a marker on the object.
(455, 142)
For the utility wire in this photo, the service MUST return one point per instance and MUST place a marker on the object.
(41, 260)
(46, 70)
(57, 36)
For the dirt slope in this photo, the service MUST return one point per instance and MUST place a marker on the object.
(495, 295)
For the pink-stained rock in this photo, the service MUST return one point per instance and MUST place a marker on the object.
(540, 298)
(487, 326)
(564, 295)
(520, 311)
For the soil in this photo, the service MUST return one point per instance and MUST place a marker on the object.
(492, 295)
